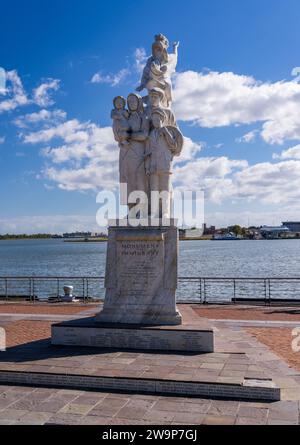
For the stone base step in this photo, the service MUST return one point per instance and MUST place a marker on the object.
(87, 332)
(250, 389)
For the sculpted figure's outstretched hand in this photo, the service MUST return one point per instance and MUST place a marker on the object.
(176, 46)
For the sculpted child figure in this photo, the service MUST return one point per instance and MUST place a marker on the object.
(120, 117)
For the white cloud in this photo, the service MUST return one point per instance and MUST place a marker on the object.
(48, 224)
(248, 137)
(90, 141)
(296, 72)
(42, 94)
(211, 174)
(84, 156)
(15, 91)
(78, 222)
(190, 151)
(69, 131)
(290, 153)
(246, 218)
(2, 81)
(140, 57)
(16, 96)
(93, 175)
(2, 139)
(222, 179)
(136, 64)
(221, 99)
(42, 116)
(276, 183)
(111, 79)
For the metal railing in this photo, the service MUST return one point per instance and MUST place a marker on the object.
(190, 289)
(42, 288)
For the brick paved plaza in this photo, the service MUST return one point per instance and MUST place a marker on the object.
(264, 343)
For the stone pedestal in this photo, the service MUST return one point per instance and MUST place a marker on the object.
(87, 332)
(141, 276)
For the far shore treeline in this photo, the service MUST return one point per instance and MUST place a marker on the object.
(24, 236)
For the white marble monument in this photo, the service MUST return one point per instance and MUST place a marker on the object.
(141, 265)
(139, 310)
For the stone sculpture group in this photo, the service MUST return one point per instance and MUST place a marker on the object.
(147, 132)
(141, 260)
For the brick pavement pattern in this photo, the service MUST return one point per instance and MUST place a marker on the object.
(248, 313)
(28, 405)
(44, 308)
(278, 340)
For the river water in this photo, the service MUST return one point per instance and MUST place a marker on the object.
(234, 259)
(270, 258)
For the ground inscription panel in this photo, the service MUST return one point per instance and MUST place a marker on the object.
(126, 338)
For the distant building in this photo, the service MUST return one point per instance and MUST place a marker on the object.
(209, 230)
(293, 226)
(253, 233)
(274, 232)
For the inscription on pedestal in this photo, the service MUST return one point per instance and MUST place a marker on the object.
(148, 339)
(140, 264)
(141, 276)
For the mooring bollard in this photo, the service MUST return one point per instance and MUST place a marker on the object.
(68, 296)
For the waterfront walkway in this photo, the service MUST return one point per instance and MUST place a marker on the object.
(266, 344)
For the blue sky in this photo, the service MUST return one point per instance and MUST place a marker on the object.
(236, 99)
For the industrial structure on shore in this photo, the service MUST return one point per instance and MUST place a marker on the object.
(288, 230)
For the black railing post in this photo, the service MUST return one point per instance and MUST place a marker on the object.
(200, 290)
(234, 295)
(33, 289)
(6, 289)
(265, 290)
(204, 289)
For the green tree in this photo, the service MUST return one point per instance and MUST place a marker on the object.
(237, 230)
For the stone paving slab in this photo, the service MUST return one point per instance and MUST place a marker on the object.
(178, 410)
(217, 374)
(233, 339)
(226, 373)
(70, 407)
(236, 339)
(257, 323)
